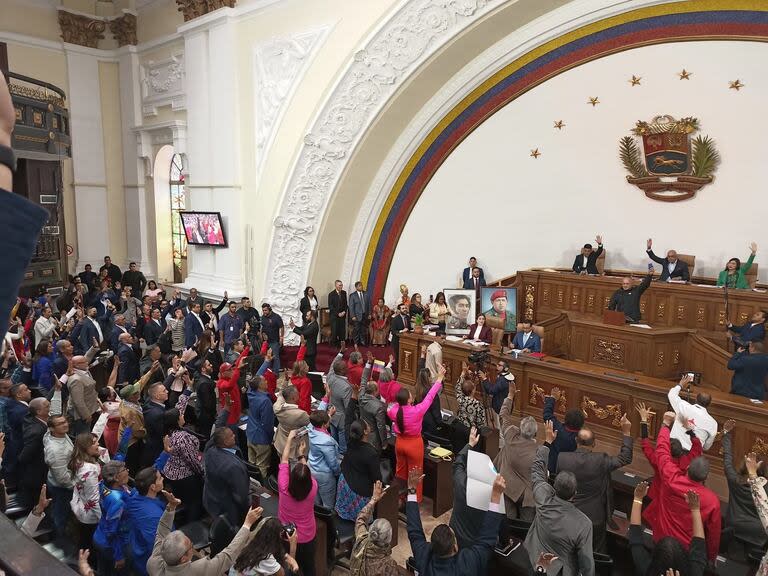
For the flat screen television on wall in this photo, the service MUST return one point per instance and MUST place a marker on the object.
(203, 228)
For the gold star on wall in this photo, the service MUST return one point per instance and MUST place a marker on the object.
(685, 75)
(594, 101)
(559, 124)
(736, 85)
(635, 80)
(535, 153)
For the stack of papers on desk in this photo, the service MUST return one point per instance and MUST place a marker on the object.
(640, 326)
(478, 343)
(452, 338)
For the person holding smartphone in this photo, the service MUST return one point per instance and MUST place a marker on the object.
(627, 298)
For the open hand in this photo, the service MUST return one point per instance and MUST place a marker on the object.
(172, 501)
(415, 477)
(550, 432)
(474, 437)
(599, 239)
(669, 418)
(649, 243)
(692, 498)
(752, 247)
(641, 490)
(644, 411)
(752, 464)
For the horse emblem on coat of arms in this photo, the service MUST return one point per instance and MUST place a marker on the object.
(673, 166)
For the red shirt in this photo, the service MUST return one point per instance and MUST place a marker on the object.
(354, 374)
(674, 516)
(304, 386)
(230, 386)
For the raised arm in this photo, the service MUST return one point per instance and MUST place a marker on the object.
(730, 471)
(757, 486)
(549, 408)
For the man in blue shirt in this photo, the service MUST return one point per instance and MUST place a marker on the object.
(231, 327)
(261, 422)
(272, 329)
(144, 511)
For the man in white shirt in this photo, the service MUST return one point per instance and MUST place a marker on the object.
(696, 415)
(45, 326)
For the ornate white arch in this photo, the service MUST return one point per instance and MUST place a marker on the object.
(526, 38)
(415, 31)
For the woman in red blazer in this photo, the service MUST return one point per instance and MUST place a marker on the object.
(479, 331)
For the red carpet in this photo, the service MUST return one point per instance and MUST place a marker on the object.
(326, 353)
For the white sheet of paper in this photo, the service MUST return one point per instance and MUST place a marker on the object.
(480, 476)
(640, 326)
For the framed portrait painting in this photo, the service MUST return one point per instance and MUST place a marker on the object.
(500, 303)
(461, 305)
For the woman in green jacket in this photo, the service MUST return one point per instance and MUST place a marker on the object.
(734, 272)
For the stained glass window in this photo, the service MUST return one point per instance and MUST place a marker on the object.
(178, 203)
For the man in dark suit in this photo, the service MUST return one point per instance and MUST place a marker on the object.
(750, 368)
(359, 312)
(226, 477)
(672, 268)
(467, 273)
(91, 329)
(129, 353)
(475, 282)
(153, 328)
(627, 298)
(193, 326)
(206, 399)
(32, 467)
(593, 477)
(119, 327)
(113, 271)
(558, 527)
(442, 554)
(527, 340)
(153, 410)
(337, 304)
(309, 330)
(16, 409)
(752, 331)
(88, 277)
(134, 278)
(401, 322)
(586, 262)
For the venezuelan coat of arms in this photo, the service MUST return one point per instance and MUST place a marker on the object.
(673, 165)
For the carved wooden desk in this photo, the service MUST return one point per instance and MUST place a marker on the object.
(542, 295)
(603, 395)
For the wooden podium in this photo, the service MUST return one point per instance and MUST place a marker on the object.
(614, 318)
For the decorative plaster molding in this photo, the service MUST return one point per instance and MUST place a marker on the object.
(123, 28)
(81, 29)
(149, 137)
(417, 30)
(162, 84)
(279, 64)
(192, 9)
(523, 40)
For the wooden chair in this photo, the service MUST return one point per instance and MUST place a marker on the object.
(325, 325)
(751, 275)
(497, 329)
(689, 259)
(600, 263)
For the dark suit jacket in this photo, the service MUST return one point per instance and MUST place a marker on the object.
(113, 271)
(337, 302)
(114, 337)
(533, 344)
(310, 332)
(467, 274)
(397, 324)
(486, 334)
(680, 272)
(32, 467)
(87, 333)
(748, 333)
(128, 371)
(192, 330)
(469, 284)
(466, 522)
(749, 373)
(305, 305)
(226, 485)
(593, 477)
(578, 263)
(152, 331)
(153, 422)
